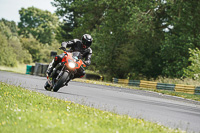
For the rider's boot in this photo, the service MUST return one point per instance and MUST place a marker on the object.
(50, 68)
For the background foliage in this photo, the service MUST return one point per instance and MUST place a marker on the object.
(132, 38)
(11, 49)
(41, 24)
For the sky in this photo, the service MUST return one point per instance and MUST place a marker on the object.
(9, 9)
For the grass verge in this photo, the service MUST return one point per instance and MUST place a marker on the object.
(27, 111)
(20, 68)
(172, 93)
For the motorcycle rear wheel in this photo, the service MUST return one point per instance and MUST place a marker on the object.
(61, 82)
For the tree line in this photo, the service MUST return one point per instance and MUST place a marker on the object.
(31, 40)
(132, 38)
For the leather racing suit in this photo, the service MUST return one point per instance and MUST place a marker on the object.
(76, 46)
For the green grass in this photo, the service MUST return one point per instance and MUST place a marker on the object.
(186, 81)
(20, 68)
(28, 111)
(180, 94)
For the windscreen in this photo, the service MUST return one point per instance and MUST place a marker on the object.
(76, 55)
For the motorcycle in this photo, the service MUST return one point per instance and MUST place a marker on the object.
(64, 71)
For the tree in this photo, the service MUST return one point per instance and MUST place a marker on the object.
(11, 25)
(79, 16)
(65, 10)
(132, 39)
(11, 48)
(41, 24)
(111, 53)
(89, 15)
(7, 58)
(39, 52)
(183, 34)
(145, 37)
(193, 70)
(120, 29)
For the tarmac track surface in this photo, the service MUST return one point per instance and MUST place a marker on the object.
(155, 107)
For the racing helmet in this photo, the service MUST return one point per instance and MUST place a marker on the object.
(87, 40)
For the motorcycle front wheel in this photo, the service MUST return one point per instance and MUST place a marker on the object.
(47, 86)
(60, 82)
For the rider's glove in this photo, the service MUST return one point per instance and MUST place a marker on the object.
(64, 44)
(62, 48)
(87, 63)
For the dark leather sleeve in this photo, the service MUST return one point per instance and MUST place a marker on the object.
(88, 59)
(67, 44)
(88, 56)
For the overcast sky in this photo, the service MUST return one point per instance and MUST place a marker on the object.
(9, 9)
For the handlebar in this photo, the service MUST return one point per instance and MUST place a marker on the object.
(64, 49)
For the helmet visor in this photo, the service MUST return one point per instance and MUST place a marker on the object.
(87, 43)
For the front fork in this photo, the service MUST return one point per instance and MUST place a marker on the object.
(55, 78)
(62, 72)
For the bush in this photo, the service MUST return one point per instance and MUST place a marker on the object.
(7, 57)
(11, 47)
(193, 71)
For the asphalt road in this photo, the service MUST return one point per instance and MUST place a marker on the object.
(166, 110)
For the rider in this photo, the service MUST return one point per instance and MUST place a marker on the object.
(76, 45)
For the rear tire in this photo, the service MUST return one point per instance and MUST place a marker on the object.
(61, 82)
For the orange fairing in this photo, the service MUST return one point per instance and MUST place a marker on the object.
(64, 59)
(68, 58)
(80, 62)
(83, 64)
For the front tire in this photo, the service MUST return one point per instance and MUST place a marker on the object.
(47, 86)
(61, 82)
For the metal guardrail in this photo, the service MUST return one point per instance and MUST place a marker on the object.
(134, 83)
(163, 86)
(39, 69)
(148, 84)
(190, 89)
(197, 90)
(185, 88)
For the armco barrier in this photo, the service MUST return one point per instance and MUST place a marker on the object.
(148, 84)
(190, 89)
(28, 69)
(44, 70)
(39, 69)
(123, 81)
(185, 88)
(115, 80)
(197, 90)
(163, 86)
(120, 81)
(92, 76)
(134, 83)
(32, 70)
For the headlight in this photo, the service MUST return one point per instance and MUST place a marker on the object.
(72, 64)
